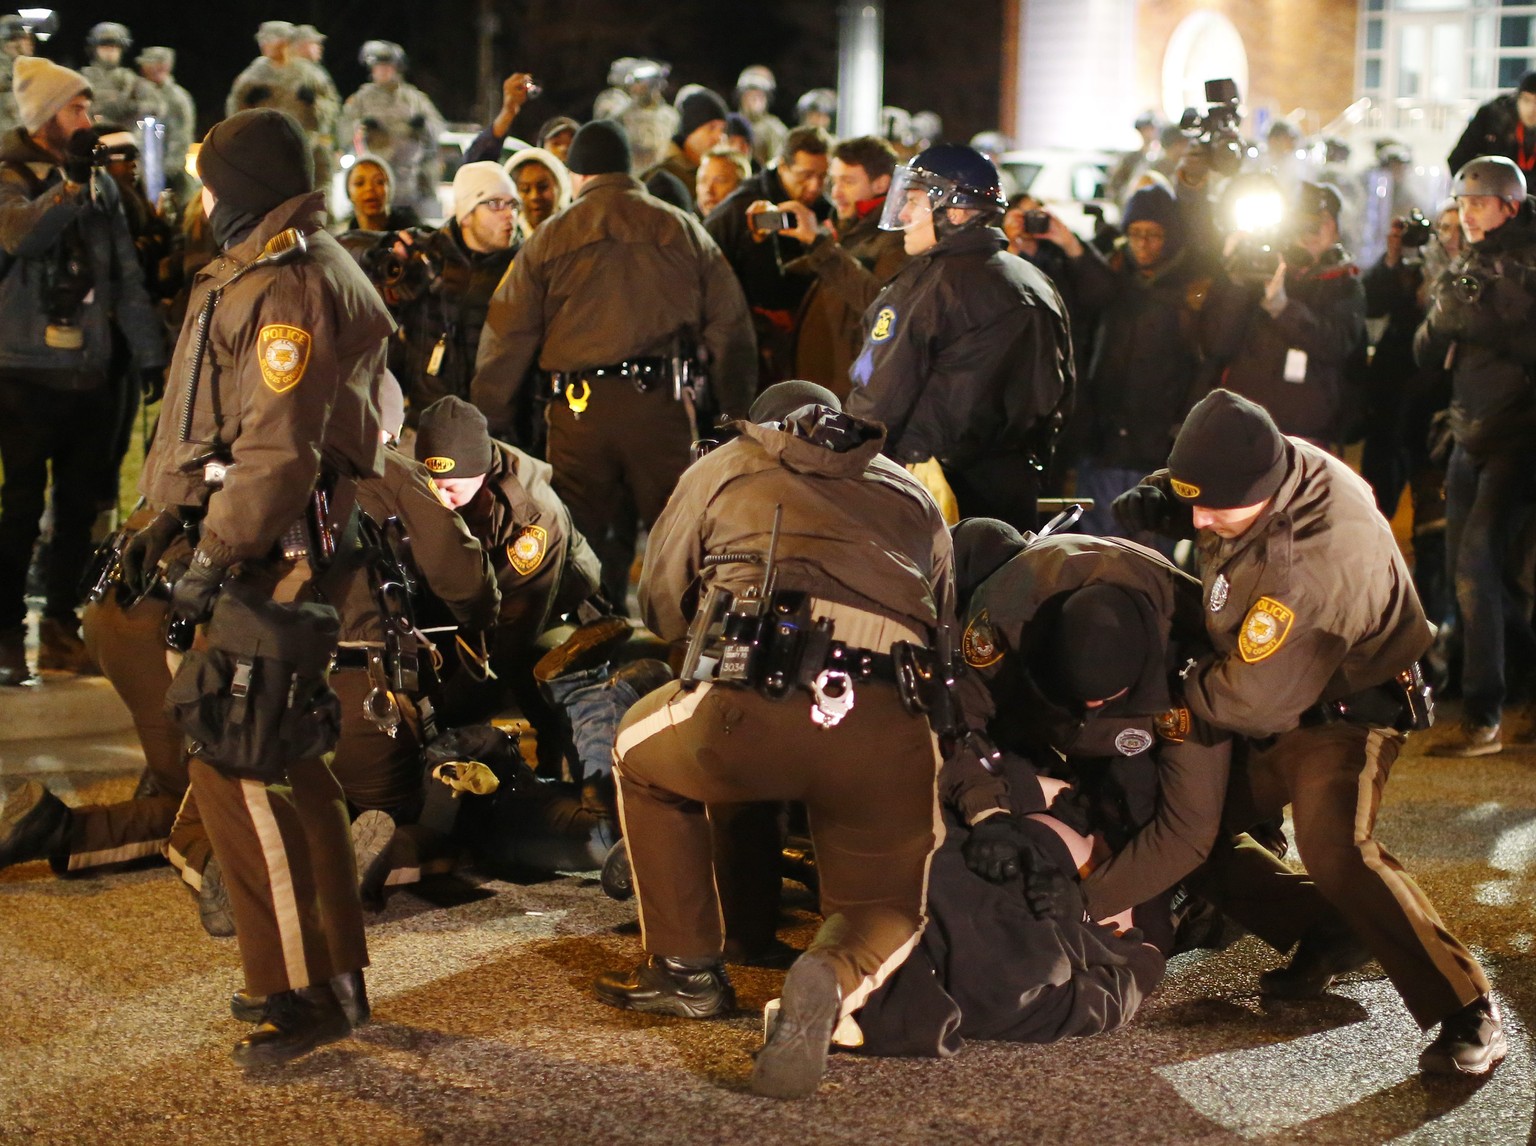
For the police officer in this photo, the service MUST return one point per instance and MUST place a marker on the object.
(1315, 629)
(1481, 318)
(860, 545)
(399, 121)
(156, 65)
(294, 341)
(119, 94)
(967, 356)
(468, 256)
(613, 328)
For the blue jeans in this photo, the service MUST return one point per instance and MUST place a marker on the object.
(1486, 503)
(594, 701)
(1104, 484)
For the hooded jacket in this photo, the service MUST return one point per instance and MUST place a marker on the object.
(967, 351)
(38, 217)
(559, 170)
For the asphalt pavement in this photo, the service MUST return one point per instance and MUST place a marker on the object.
(114, 1026)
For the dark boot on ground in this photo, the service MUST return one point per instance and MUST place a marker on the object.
(684, 988)
(794, 1056)
(33, 826)
(293, 1024)
(13, 657)
(348, 987)
(1471, 1041)
(373, 833)
(60, 649)
(1320, 958)
(616, 879)
(213, 909)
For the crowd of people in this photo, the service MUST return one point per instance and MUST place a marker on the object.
(402, 472)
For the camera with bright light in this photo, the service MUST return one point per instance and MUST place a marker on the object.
(1257, 212)
(1214, 134)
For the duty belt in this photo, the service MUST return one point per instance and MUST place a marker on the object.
(644, 374)
(1405, 703)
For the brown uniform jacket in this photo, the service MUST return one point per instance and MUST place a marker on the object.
(617, 275)
(1001, 627)
(849, 272)
(1314, 602)
(858, 530)
(450, 561)
(543, 565)
(293, 354)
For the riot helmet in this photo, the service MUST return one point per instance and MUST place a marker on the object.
(947, 175)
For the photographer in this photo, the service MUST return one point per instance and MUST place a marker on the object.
(1481, 325)
(68, 272)
(439, 284)
(1285, 318)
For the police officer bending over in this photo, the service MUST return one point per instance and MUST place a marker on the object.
(1315, 629)
(814, 575)
(967, 357)
(269, 406)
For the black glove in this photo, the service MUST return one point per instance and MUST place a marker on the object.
(1052, 893)
(192, 600)
(141, 556)
(1144, 508)
(1073, 808)
(992, 849)
(77, 156)
(152, 384)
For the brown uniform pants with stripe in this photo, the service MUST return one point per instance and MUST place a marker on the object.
(1333, 777)
(869, 786)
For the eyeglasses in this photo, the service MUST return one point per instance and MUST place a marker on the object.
(498, 205)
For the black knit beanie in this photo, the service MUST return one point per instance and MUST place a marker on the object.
(255, 160)
(1098, 643)
(698, 109)
(600, 148)
(983, 545)
(452, 439)
(1228, 454)
(783, 398)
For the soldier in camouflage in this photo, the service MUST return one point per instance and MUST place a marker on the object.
(119, 94)
(306, 50)
(635, 98)
(156, 65)
(397, 120)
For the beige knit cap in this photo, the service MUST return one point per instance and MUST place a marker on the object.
(43, 87)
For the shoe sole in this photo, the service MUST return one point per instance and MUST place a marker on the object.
(794, 1058)
(1445, 1065)
(670, 1005)
(616, 879)
(274, 1054)
(372, 833)
(565, 657)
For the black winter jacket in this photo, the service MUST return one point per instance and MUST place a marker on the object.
(1491, 131)
(760, 265)
(967, 352)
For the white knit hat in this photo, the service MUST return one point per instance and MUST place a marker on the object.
(474, 183)
(42, 88)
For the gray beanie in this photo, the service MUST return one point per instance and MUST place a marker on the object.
(43, 87)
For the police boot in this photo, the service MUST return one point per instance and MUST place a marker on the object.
(588, 647)
(794, 1056)
(293, 1024)
(372, 834)
(213, 907)
(662, 985)
(33, 826)
(60, 649)
(348, 987)
(13, 656)
(1321, 956)
(617, 880)
(1471, 1041)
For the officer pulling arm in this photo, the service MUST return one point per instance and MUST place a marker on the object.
(726, 332)
(509, 343)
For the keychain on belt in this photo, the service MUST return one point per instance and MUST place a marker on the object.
(578, 402)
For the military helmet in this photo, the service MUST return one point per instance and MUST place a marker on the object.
(927, 127)
(896, 125)
(1490, 175)
(13, 27)
(628, 70)
(108, 32)
(823, 100)
(381, 52)
(755, 76)
(273, 31)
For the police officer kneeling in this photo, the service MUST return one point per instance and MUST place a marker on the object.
(269, 408)
(1315, 631)
(822, 572)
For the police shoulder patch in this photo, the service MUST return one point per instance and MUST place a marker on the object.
(1264, 629)
(885, 325)
(284, 354)
(439, 466)
(1173, 725)
(1133, 741)
(979, 645)
(526, 550)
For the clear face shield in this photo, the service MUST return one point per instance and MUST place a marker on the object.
(913, 198)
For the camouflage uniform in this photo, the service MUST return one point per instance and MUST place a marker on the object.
(120, 95)
(10, 116)
(651, 125)
(400, 122)
(180, 123)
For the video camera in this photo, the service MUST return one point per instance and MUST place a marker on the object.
(1214, 134)
(1257, 210)
(400, 278)
(1417, 230)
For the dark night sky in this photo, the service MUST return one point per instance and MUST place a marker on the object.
(567, 44)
